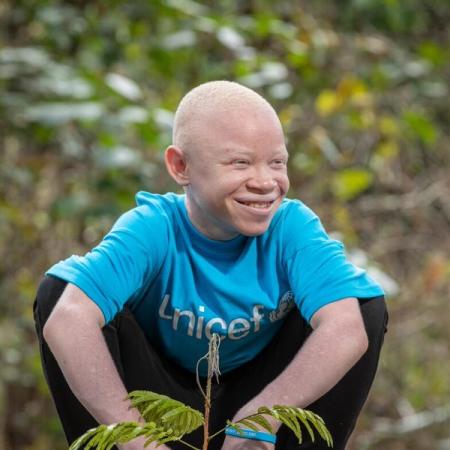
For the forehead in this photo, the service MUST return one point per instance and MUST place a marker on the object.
(244, 129)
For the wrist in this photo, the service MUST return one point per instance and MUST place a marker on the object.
(249, 410)
(245, 433)
(232, 443)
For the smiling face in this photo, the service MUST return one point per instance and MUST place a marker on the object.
(233, 170)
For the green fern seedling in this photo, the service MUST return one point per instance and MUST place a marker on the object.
(168, 420)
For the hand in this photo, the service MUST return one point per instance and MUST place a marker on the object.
(235, 443)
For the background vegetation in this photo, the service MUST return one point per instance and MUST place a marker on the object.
(87, 94)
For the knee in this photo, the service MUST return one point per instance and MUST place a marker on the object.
(48, 294)
(375, 316)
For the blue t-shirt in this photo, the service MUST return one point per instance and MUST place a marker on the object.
(182, 286)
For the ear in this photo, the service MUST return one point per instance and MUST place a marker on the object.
(176, 164)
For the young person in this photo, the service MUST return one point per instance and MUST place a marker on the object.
(299, 324)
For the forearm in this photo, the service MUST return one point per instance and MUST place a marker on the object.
(321, 362)
(74, 334)
(330, 351)
(88, 368)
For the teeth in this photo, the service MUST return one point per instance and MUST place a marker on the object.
(258, 205)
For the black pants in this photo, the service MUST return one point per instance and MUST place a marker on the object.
(141, 366)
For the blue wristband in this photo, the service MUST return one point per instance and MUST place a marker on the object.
(250, 434)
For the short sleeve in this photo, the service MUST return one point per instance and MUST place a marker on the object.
(316, 265)
(128, 256)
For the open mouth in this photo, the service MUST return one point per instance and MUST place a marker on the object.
(257, 205)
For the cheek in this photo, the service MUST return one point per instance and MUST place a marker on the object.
(283, 182)
(231, 181)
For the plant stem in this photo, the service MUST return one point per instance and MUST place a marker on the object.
(213, 369)
(207, 410)
(216, 433)
(189, 445)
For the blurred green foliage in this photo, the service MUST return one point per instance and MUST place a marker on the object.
(88, 90)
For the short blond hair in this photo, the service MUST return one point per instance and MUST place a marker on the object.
(221, 96)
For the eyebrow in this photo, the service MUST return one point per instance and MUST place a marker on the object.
(235, 151)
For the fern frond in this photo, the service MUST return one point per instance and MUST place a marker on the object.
(249, 424)
(289, 418)
(322, 429)
(104, 437)
(236, 426)
(263, 422)
(166, 412)
(302, 416)
(76, 444)
(293, 418)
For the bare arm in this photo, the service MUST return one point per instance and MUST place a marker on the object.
(338, 341)
(73, 333)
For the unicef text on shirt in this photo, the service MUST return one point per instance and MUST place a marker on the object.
(236, 329)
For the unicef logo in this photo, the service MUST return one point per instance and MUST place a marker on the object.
(285, 305)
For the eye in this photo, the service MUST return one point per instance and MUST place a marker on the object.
(241, 163)
(279, 162)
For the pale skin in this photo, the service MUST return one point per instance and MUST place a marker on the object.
(338, 341)
(234, 181)
(89, 370)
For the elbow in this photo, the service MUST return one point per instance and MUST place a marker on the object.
(67, 316)
(363, 342)
(52, 328)
(60, 325)
(359, 341)
(354, 338)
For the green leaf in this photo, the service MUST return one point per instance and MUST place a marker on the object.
(189, 7)
(166, 412)
(123, 86)
(327, 102)
(319, 424)
(349, 183)
(293, 418)
(433, 53)
(235, 426)
(262, 422)
(249, 424)
(289, 418)
(104, 437)
(60, 113)
(302, 417)
(84, 438)
(421, 126)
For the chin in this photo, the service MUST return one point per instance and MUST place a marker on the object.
(255, 231)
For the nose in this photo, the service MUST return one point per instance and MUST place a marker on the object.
(262, 181)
